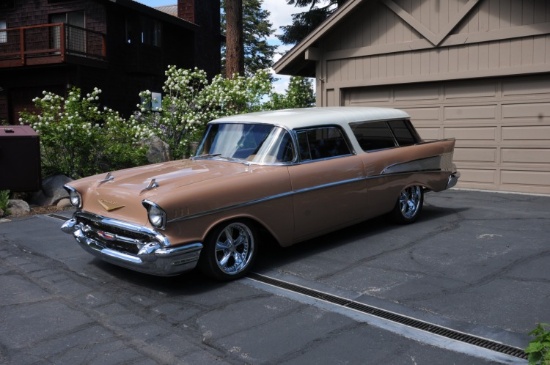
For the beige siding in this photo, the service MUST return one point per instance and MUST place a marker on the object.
(406, 41)
(502, 126)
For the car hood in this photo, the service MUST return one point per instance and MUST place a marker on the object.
(121, 192)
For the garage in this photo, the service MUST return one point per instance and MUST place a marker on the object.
(502, 126)
(474, 70)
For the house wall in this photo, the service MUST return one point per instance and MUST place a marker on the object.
(128, 67)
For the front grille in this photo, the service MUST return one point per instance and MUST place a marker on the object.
(115, 238)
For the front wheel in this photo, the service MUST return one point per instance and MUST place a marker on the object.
(229, 251)
(408, 205)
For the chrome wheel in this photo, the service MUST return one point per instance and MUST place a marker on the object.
(230, 250)
(409, 204)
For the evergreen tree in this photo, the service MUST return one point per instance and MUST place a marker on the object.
(305, 22)
(258, 54)
(234, 62)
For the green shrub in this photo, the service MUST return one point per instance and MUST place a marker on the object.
(538, 350)
(4, 198)
(78, 138)
(189, 101)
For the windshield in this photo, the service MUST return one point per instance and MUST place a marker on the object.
(259, 143)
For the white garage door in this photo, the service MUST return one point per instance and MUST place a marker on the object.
(502, 126)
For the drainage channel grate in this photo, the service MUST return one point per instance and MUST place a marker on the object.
(411, 322)
(59, 216)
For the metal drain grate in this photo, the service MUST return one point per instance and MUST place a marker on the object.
(411, 322)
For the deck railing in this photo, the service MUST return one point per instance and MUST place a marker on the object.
(49, 43)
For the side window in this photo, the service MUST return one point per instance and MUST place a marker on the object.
(373, 135)
(322, 142)
(404, 132)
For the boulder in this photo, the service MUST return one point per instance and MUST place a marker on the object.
(18, 208)
(52, 191)
(157, 149)
(64, 204)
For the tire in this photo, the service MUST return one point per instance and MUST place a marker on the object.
(409, 205)
(230, 249)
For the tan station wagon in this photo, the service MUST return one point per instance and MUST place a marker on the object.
(295, 174)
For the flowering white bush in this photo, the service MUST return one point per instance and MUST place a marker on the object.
(78, 138)
(190, 101)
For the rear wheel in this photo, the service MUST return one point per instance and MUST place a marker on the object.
(229, 250)
(409, 205)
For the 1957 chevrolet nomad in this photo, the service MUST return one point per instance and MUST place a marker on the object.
(295, 173)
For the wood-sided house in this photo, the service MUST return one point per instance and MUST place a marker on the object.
(121, 47)
(475, 70)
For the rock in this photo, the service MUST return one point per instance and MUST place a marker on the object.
(1, 212)
(52, 191)
(64, 204)
(158, 150)
(18, 208)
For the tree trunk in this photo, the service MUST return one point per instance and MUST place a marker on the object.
(234, 63)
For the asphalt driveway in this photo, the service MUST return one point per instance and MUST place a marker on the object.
(475, 263)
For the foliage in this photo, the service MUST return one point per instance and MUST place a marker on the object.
(299, 94)
(538, 350)
(78, 138)
(4, 200)
(305, 22)
(190, 101)
(258, 54)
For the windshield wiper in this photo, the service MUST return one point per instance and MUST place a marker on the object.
(207, 155)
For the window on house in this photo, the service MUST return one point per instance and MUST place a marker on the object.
(142, 30)
(74, 33)
(7, 4)
(3, 32)
(322, 142)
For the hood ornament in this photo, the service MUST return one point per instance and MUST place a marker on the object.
(152, 184)
(109, 177)
(109, 205)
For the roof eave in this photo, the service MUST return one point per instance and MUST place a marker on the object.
(299, 59)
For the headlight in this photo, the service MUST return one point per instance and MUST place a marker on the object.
(155, 214)
(74, 197)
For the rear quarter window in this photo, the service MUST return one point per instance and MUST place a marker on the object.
(380, 135)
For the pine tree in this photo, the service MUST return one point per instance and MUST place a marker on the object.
(258, 54)
(305, 22)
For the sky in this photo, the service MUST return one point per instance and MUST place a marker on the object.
(281, 14)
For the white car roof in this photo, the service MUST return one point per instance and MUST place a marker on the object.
(305, 117)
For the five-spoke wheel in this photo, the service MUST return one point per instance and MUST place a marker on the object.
(229, 250)
(409, 204)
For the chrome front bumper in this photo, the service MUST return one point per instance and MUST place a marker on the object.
(131, 246)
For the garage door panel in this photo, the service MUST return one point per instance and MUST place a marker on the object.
(428, 92)
(469, 90)
(525, 86)
(527, 156)
(429, 134)
(531, 178)
(421, 114)
(475, 155)
(486, 176)
(526, 110)
(464, 112)
(539, 133)
(472, 133)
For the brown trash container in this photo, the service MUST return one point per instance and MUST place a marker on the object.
(19, 159)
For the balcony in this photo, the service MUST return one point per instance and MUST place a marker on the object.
(50, 44)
